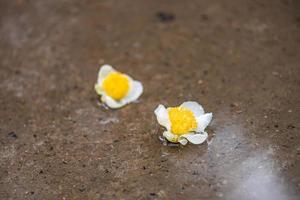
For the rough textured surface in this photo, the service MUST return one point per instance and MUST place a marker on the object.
(239, 59)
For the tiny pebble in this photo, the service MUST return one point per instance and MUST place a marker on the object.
(275, 73)
(13, 135)
(200, 82)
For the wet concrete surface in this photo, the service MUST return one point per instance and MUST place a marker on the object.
(239, 59)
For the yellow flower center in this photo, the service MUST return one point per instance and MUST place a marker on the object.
(182, 120)
(116, 85)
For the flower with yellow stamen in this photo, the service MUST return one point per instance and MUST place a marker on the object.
(117, 89)
(184, 123)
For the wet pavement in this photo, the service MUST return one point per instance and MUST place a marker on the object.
(239, 59)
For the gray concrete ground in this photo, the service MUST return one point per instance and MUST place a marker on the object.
(240, 59)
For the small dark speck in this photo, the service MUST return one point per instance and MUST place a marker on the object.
(292, 165)
(286, 2)
(152, 194)
(32, 192)
(204, 17)
(290, 126)
(17, 72)
(34, 135)
(276, 126)
(64, 162)
(115, 141)
(166, 63)
(285, 146)
(93, 179)
(75, 87)
(13, 135)
(82, 189)
(144, 167)
(41, 171)
(165, 16)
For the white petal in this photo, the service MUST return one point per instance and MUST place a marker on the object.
(163, 116)
(182, 140)
(103, 72)
(170, 137)
(110, 102)
(196, 138)
(99, 89)
(203, 121)
(195, 107)
(136, 89)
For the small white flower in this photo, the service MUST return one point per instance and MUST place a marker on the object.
(184, 123)
(117, 89)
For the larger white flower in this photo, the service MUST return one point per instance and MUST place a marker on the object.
(117, 89)
(184, 123)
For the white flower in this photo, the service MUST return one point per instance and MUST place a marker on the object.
(117, 89)
(184, 123)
